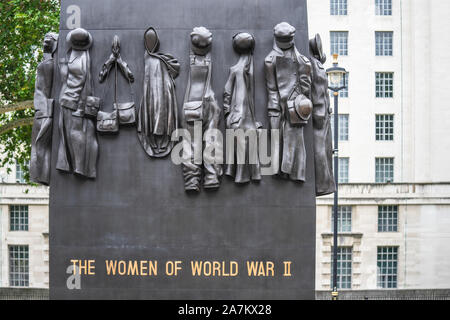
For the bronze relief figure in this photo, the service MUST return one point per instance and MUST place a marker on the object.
(239, 110)
(123, 113)
(41, 141)
(323, 147)
(157, 116)
(78, 146)
(200, 106)
(288, 82)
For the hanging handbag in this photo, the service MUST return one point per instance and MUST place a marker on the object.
(108, 122)
(127, 111)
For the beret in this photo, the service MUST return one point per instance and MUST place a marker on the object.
(284, 31)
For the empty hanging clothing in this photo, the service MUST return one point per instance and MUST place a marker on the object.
(123, 113)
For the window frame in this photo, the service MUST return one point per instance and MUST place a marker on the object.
(24, 215)
(383, 6)
(384, 172)
(384, 94)
(383, 278)
(346, 265)
(381, 132)
(345, 214)
(386, 220)
(382, 49)
(19, 278)
(337, 7)
(19, 171)
(342, 46)
(344, 130)
(347, 179)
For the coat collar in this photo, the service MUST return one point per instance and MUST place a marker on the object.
(281, 52)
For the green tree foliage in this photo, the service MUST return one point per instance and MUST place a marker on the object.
(23, 25)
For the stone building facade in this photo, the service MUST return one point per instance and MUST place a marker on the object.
(24, 256)
(394, 197)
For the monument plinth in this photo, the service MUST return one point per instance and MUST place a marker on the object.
(136, 209)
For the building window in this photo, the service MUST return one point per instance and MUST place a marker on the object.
(343, 127)
(18, 266)
(384, 127)
(20, 173)
(383, 43)
(18, 218)
(384, 84)
(384, 170)
(383, 7)
(339, 42)
(343, 170)
(344, 267)
(344, 219)
(387, 258)
(387, 218)
(338, 7)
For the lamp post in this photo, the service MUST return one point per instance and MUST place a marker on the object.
(336, 82)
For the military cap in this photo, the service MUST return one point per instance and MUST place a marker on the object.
(284, 32)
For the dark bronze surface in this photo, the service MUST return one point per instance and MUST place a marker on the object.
(239, 110)
(41, 140)
(137, 208)
(288, 75)
(78, 146)
(323, 147)
(200, 105)
(157, 117)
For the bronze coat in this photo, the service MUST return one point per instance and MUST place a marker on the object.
(288, 74)
(157, 117)
(239, 109)
(78, 146)
(323, 148)
(41, 141)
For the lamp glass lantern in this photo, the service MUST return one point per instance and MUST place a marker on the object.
(336, 75)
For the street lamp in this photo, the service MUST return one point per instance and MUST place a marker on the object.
(336, 82)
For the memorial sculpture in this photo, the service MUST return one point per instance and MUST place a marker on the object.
(239, 110)
(123, 113)
(157, 117)
(323, 148)
(288, 82)
(78, 146)
(41, 141)
(200, 106)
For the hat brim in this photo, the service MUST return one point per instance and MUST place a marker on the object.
(78, 47)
